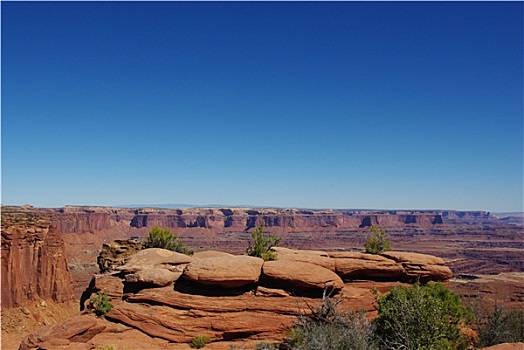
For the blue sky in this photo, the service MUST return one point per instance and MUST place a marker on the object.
(320, 105)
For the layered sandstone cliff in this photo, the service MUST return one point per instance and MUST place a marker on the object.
(72, 219)
(34, 264)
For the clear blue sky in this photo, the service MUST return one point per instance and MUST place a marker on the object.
(337, 105)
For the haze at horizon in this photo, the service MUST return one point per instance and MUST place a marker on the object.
(414, 105)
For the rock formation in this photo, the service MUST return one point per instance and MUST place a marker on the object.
(170, 298)
(476, 242)
(117, 253)
(224, 272)
(34, 264)
(90, 219)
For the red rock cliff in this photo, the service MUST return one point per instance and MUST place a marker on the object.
(73, 219)
(33, 261)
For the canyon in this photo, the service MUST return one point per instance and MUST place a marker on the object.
(471, 242)
(56, 249)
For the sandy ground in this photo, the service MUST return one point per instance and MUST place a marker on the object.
(20, 321)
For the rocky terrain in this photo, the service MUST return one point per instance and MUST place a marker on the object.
(49, 246)
(164, 298)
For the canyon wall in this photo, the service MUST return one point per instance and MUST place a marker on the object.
(467, 239)
(91, 219)
(34, 264)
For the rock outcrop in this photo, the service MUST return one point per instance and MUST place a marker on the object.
(356, 265)
(117, 253)
(420, 267)
(181, 297)
(391, 266)
(300, 277)
(156, 258)
(310, 256)
(224, 272)
(33, 261)
(72, 333)
(74, 219)
(157, 277)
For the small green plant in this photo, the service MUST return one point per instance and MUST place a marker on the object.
(422, 317)
(263, 246)
(165, 239)
(200, 341)
(377, 242)
(100, 303)
(295, 336)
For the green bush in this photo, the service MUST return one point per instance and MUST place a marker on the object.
(200, 341)
(377, 241)
(165, 239)
(100, 303)
(265, 346)
(499, 325)
(325, 327)
(263, 246)
(421, 317)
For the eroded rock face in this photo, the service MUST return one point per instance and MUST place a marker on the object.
(225, 272)
(314, 257)
(391, 266)
(73, 219)
(33, 261)
(420, 267)
(153, 276)
(354, 265)
(117, 253)
(296, 276)
(155, 258)
(77, 329)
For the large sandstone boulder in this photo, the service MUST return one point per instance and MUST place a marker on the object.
(153, 276)
(299, 277)
(225, 272)
(77, 329)
(117, 253)
(309, 256)
(420, 267)
(156, 257)
(355, 265)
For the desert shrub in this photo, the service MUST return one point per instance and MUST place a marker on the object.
(263, 246)
(421, 317)
(200, 341)
(325, 327)
(165, 239)
(377, 241)
(499, 325)
(265, 346)
(100, 303)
